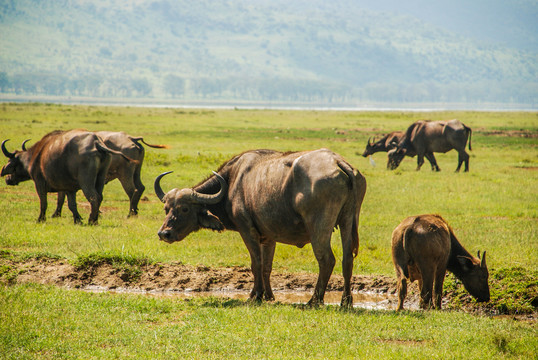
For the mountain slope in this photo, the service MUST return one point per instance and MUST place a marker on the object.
(251, 50)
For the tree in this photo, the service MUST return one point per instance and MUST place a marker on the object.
(174, 85)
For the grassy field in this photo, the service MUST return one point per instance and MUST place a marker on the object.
(494, 207)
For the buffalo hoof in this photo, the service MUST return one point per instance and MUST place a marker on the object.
(256, 297)
(347, 301)
(313, 302)
(56, 214)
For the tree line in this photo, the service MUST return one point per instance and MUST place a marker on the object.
(274, 89)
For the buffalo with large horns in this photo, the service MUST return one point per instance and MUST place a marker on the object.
(127, 172)
(268, 197)
(385, 144)
(63, 161)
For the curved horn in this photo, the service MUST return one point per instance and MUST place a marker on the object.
(483, 262)
(370, 140)
(213, 198)
(24, 144)
(478, 254)
(4, 150)
(157, 186)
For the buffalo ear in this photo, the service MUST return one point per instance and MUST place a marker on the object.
(209, 221)
(465, 262)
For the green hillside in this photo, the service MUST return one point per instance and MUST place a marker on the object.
(308, 51)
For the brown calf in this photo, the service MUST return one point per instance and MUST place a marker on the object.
(424, 247)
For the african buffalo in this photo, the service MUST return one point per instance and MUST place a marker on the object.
(423, 248)
(267, 196)
(425, 137)
(127, 172)
(386, 143)
(63, 161)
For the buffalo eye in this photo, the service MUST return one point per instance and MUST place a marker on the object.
(184, 209)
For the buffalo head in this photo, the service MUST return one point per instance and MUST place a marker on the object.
(395, 157)
(370, 147)
(475, 276)
(186, 210)
(15, 170)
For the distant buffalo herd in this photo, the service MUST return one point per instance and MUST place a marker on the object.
(422, 139)
(267, 196)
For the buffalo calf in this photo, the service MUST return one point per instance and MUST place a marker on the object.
(423, 248)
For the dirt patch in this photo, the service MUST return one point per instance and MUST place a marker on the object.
(171, 277)
(509, 133)
(177, 279)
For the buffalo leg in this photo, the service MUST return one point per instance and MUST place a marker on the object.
(252, 241)
(420, 161)
(433, 161)
(139, 190)
(126, 181)
(402, 291)
(463, 157)
(346, 233)
(426, 287)
(321, 244)
(438, 286)
(91, 192)
(59, 204)
(268, 252)
(95, 201)
(72, 204)
(42, 193)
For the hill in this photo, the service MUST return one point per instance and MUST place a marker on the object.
(342, 52)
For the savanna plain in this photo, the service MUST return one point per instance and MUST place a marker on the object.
(494, 207)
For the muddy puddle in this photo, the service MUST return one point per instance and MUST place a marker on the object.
(365, 299)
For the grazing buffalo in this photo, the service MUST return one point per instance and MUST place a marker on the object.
(423, 248)
(425, 137)
(386, 143)
(63, 161)
(127, 172)
(267, 196)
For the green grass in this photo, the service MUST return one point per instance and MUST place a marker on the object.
(493, 208)
(48, 323)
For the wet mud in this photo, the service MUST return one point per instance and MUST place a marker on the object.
(187, 281)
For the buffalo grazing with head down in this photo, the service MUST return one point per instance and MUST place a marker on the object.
(127, 172)
(63, 161)
(268, 197)
(425, 137)
(424, 247)
(385, 144)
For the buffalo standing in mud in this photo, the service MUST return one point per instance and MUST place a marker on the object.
(63, 161)
(127, 172)
(425, 137)
(424, 247)
(268, 197)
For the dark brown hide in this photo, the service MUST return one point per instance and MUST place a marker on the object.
(63, 161)
(425, 137)
(127, 172)
(423, 248)
(269, 197)
(386, 143)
